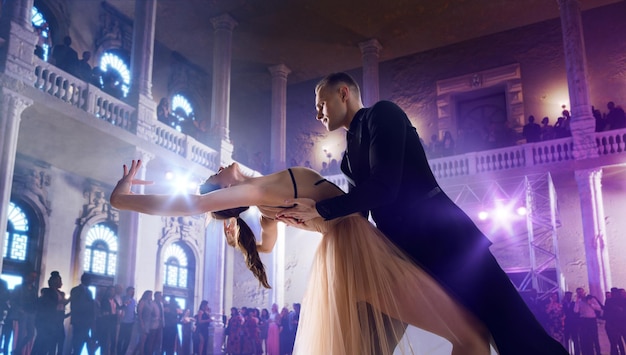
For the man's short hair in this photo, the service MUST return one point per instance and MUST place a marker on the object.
(335, 79)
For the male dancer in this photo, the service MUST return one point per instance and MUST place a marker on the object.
(389, 176)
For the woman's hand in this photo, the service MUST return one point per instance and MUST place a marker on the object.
(231, 231)
(123, 186)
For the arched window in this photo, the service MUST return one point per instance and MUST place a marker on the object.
(179, 274)
(16, 239)
(42, 50)
(176, 272)
(115, 68)
(101, 250)
(183, 111)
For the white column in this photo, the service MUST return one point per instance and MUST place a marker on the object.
(594, 230)
(128, 231)
(11, 107)
(279, 117)
(19, 40)
(222, 62)
(370, 52)
(143, 47)
(141, 66)
(582, 123)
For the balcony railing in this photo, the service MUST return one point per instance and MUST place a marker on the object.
(75, 92)
(89, 98)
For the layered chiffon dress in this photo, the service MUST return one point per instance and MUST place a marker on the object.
(363, 291)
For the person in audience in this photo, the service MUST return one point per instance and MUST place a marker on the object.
(171, 319)
(129, 317)
(356, 269)
(83, 68)
(555, 317)
(264, 319)
(531, 130)
(24, 302)
(108, 321)
(615, 118)
(448, 146)
(65, 57)
(49, 318)
(273, 331)
(83, 315)
(547, 130)
(571, 324)
(146, 318)
(234, 333)
(285, 341)
(599, 118)
(586, 307)
(203, 320)
(614, 308)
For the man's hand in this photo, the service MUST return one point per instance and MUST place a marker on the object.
(303, 211)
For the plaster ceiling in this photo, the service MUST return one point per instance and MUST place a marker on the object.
(313, 38)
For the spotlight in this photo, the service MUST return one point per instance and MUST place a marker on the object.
(483, 215)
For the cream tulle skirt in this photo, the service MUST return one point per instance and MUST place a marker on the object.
(362, 293)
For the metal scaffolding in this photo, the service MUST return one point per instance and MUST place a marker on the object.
(539, 229)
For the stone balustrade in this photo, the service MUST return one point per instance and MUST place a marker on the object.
(87, 97)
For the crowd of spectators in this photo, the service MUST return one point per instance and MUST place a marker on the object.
(113, 322)
(574, 321)
(473, 139)
(250, 331)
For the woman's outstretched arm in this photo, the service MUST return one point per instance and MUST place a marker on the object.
(178, 205)
(269, 233)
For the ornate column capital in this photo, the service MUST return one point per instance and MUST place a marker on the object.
(223, 22)
(279, 71)
(371, 46)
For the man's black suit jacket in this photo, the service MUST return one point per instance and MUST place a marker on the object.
(389, 175)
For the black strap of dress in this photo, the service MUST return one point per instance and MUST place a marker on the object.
(293, 180)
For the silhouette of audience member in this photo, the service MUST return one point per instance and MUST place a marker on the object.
(24, 302)
(614, 308)
(435, 146)
(307, 164)
(599, 118)
(333, 167)
(570, 325)
(586, 306)
(547, 130)
(171, 314)
(128, 306)
(41, 40)
(447, 145)
(164, 114)
(65, 57)
(531, 130)
(50, 316)
(555, 318)
(559, 128)
(83, 315)
(108, 321)
(615, 118)
(324, 171)
(83, 69)
(96, 76)
(5, 322)
(112, 83)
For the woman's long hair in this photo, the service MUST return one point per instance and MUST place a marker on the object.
(246, 242)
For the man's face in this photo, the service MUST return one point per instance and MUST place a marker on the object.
(331, 107)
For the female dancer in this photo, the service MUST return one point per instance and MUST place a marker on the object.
(361, 286)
